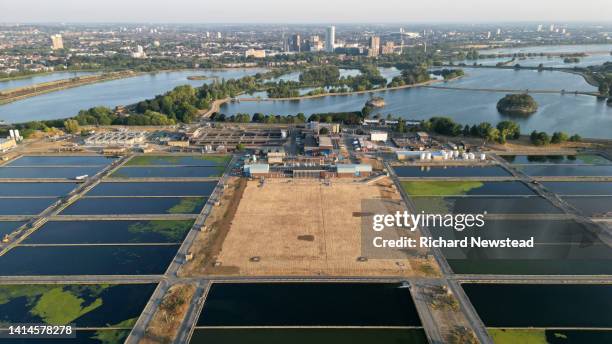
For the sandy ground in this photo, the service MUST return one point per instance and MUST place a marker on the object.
(304, 227)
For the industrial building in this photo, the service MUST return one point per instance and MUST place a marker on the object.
(7, 143)
(256, 170)
(353, 170)
(117, 138)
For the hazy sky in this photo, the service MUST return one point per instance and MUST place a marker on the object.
(303, 11)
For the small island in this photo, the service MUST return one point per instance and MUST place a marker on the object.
(517, 104)
(376, 102)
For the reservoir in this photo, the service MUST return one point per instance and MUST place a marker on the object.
(308, 304)
(488, 204)
(37, 79)
(531, 305)
(168, 172)
(7, 227)
(110, 232)
(103, 305)
(24, 206)
(308, 336)
(153, 189)
(556, 112)
(580, 188)
(466, 188)
(73, 160)
(87, 260)
(579, 159)
(35, 189)
(135, 205)
(450, 171)
(564, 170)
(48, 172)
(69, 102)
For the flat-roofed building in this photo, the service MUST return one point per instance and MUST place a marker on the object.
(257, 170)
(353, 170)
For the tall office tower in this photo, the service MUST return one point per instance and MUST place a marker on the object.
(539, 27)
(330, 39)
(295, 43)
(374, 46)
(57, 42)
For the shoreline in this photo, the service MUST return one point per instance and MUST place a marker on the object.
(377, 90)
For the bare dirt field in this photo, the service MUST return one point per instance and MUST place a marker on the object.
(308, 228)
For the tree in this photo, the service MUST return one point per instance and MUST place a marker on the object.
(575, 138)
(323, 131)
(240, 147)
(539, 138)
(508, 130)
(559, 137)
(71, 126)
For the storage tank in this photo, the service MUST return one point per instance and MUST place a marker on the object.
(471, 156)
(428, 156)
(455, 154)
(483, 156)
(422, 156)
(464, 156)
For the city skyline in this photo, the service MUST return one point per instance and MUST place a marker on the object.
(315, 11)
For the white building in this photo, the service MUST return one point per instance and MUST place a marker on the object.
(379, 136)
(255, 53)
(57, 42)
(330, 39)
(139, 54)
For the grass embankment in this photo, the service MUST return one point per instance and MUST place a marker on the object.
(173, 230)
(439, 188)
(55, 304)
(514, 336)
(148, 160)
(188, 205)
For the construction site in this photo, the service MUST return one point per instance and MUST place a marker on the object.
(309, 227)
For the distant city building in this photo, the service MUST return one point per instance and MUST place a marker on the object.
(256, 53)
(330, 39)
(156, 43)
(488, 34)
(139, 53)
(218, 35)
(388, 48)
(315, 44)
(374, 46)
(294, 43)
(57, 42)
(498, 32)
(540, 28)
(551, 28)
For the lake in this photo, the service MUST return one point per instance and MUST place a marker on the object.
(580, 114)
(37, 79)
(67, 103)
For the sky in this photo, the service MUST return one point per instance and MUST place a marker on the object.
(303, 11)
